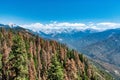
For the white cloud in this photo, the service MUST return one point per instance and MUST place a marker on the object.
(54, 25)
(108, 25)
(58, 27)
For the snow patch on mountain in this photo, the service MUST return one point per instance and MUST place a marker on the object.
(66, 27)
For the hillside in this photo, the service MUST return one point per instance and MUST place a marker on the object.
(25, 56)
(106, 48)
(107, 51)
(103, 47)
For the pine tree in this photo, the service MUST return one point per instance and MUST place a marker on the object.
(18, 60)
(56, 71)
(0, 65)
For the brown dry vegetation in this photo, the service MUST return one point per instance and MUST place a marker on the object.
(28, 57)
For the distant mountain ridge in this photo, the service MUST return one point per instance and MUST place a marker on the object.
(107, 50)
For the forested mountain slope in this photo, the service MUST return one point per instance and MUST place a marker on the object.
(25, 56)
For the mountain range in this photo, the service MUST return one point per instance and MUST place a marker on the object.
(26, 56)
(101, 46)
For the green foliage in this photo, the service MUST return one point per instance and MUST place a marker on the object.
(18, 59)
(101, 72)
(64, 62)
(43, 63)
(27, 46)
(56, 71)
(0, 64)
(70, 54)
(81, 57)
(0, 35)
(85, 77)
(35, 62)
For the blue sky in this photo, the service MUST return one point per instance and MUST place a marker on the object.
(30, 11)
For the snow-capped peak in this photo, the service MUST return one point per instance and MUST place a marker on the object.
(12, 25)
(60, 27)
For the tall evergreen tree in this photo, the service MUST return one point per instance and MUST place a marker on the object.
(18, 60)
(56, 71)
(0, 65)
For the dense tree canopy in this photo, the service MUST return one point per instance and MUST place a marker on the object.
(24, 56)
